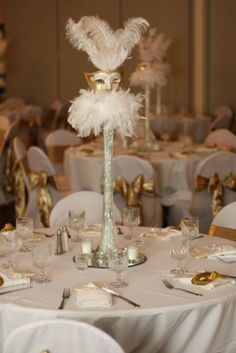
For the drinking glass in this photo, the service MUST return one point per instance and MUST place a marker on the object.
(42, 258)
(131, 218)
(179, 249)
(24, 231)
(9, 244)
(190, 228)
(76, 222)
(118, 262)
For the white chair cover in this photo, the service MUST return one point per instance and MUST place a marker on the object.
(164, 124)
(61, 137)
(223, 163)
(38, 161)
(129, 167)
(60, 336)
(90, 201)
(201, 128)
(223, 137)
(226, 217)
(223, 118)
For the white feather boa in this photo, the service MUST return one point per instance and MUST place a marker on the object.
(92, 111)
(151, 76)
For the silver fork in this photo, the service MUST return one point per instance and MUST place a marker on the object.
(65, 295)
(170, 286)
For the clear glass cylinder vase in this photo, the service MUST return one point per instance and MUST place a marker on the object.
(108, 232)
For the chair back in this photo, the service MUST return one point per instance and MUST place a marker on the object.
(129, 167)
(226, 217)
(221, 137)
(222, 163)
(38, 161)
(90, 201)
(164, 124)
(56, 143)
(60, 336)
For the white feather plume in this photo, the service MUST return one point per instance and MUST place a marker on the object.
(152, 49)
(106, 49)
(92, 111)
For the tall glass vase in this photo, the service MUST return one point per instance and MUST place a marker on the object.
(108, 232)
(147, 141)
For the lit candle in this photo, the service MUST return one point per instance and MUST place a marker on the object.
(86, 246)
(133, 252)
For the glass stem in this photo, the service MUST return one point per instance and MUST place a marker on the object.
(179, 264)
(118, 277)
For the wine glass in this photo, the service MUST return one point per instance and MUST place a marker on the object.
(42, 258)
(76, 222)
(9, 244)
(131, 218)
(24, 231)
(118, 262)
(179, 249)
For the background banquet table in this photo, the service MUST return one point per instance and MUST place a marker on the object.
(168, 321)
(174, 170)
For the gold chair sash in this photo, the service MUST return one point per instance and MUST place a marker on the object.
(216, 188)
(40, 181)
(56, 153)
(132, 192)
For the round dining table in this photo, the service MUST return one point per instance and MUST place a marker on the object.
(167, 321)
(174, 168)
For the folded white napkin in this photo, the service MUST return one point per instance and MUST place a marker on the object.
(13, 279)
(217, 283)
(89, 296)
(164, 233)
(94, 229)
(216, 251)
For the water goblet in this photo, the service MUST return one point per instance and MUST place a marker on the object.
(190, 229)
(179, 249)
(9, 244)
(76, 222)
(42, 258)
(24, 231)
(118, 262)
(131, 217)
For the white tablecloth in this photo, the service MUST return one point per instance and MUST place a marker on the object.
(168, 320)
(175, 172)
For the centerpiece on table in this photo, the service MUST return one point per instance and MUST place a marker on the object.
(151, 72)
(105, 107)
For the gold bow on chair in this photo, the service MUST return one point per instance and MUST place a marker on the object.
(14, 181)
(40, 180)
(132, 192)
(214, 187)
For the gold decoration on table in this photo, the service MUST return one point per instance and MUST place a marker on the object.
(41, 181)
(1, 281)
(205, 278)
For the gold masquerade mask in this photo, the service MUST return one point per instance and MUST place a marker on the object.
(103, 80)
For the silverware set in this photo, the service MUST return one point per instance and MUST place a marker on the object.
(170, 286)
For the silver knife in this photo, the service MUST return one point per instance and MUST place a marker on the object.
(108, 290)
(15, 288)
